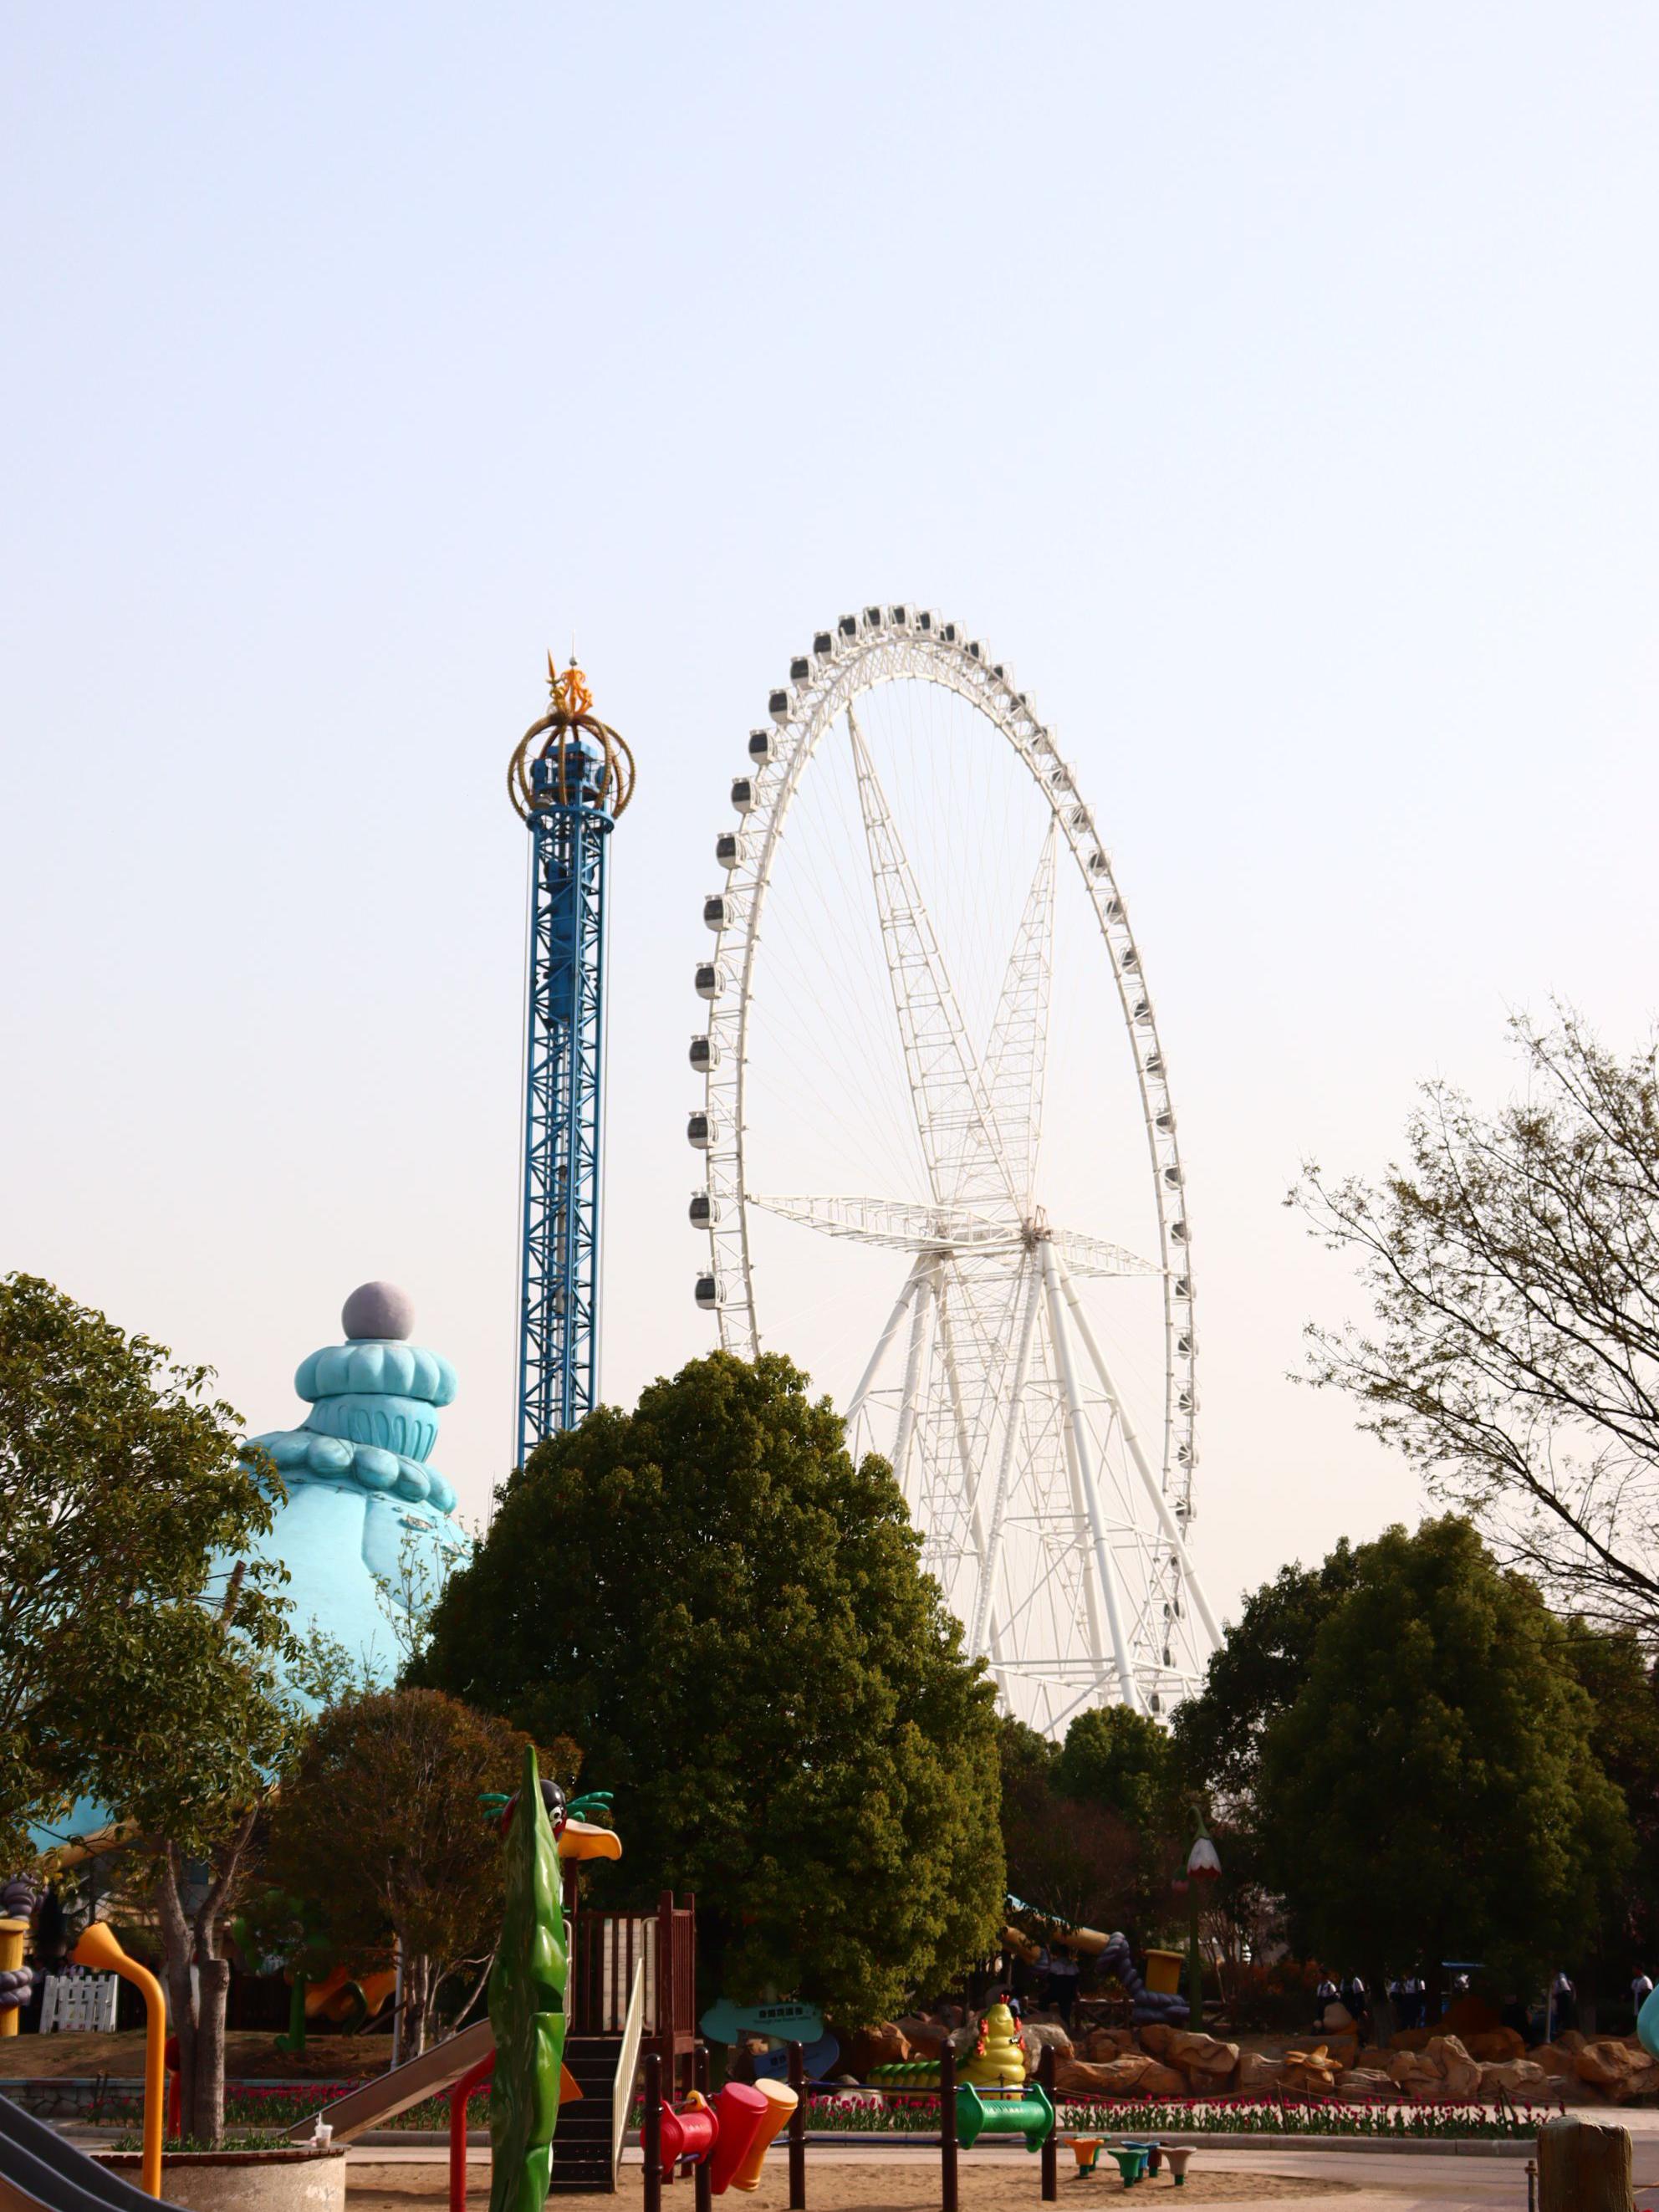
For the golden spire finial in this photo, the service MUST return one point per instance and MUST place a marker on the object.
(571, 693)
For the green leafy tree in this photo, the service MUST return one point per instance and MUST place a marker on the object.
(380, 1822)
(1215, 1753)
(1513, 1262)
(1078, 1863)
(1431, 1792)
(1118, 1759)
(136, 1666)
(1618, 1676)
(122, 1494)
(729, 1616)
(207, 1725)
(1254, 1674)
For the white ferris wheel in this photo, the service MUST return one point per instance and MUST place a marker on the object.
(934, 1175)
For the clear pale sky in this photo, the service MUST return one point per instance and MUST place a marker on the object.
(1273, 386)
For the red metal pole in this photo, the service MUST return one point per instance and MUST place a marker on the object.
(1050, 2152)
(798, 2131)
(665, 2009)
(701, 2176)
(458, 2094)
(947, 2126)
(650, 2131)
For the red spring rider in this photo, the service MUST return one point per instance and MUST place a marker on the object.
(723, 2133)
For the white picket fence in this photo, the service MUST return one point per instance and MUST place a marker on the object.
(78, 2001)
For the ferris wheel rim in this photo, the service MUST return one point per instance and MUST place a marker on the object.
(879, 646)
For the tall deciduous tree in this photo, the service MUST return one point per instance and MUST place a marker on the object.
(206, 1725)
(1117, 1759)
(137, 1667)
(729, 1616)
(1078, 1863)
(1254, 1674)
(379, 1821)
(1431, 1791)
(122, 1494)
(1618, 1676)
(1514, 1263)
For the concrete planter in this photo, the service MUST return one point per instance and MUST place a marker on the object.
(298, 2180)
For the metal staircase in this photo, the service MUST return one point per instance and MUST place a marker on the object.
(583, 2145)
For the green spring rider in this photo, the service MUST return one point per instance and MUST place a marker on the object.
(1031, 2114)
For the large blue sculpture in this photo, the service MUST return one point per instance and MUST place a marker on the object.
(368, 1526)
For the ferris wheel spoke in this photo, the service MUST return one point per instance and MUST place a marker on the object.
(1093, 1256)
(906, 1226)
(1016, 1059)
(959, 1140)
(1014, 1416)
(967, 1439)
(1080, 1457)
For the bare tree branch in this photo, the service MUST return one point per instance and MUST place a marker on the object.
(1513, 1264)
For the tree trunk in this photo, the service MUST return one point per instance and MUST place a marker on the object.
(417, 1987)
(207, 2117)
(197, 2003)
(178, 1939)
(1583, 2165)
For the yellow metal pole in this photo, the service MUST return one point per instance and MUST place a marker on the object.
(99, 1948)
(13, 1934)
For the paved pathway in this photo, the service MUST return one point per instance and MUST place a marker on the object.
(1374, 2181)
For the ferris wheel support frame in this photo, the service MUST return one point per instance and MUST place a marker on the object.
(1081, 1459)
(856, 1403)
(980, 1632)
(1131, 1436)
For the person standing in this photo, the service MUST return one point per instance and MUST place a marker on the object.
(1326, 1994)
(1563, 2005)
(1062, 1983)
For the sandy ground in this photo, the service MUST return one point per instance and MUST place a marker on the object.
(908, 2181)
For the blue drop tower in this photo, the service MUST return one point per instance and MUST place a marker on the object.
(569, 779)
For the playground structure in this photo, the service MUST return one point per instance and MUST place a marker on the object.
(1157, 1997)
(690, 2134)
(731, 2133)
(569, 779)
(1055, 1503)
(520, 2048)
(997, 2061)
(782, 2024)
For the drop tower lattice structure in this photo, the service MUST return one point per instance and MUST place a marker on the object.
(569, 779)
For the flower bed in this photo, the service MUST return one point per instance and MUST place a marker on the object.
(282, 2107)
(917, 2113)
(273, 2109)
(278, 2107)
(1322, 2116)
